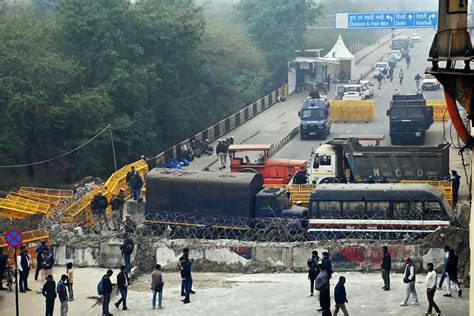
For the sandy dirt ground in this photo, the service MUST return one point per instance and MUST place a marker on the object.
(240, 294)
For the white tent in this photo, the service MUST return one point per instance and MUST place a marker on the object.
(347, 59)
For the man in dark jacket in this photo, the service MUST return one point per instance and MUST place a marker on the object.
(191, 261)
(122, 283)
(127, 249)
(322, 285)
(99, 205)
(39, 250)
(340, 297)
(456, 180)
(116, 203)
(451, 270)
(313, 271)
(136, 182)
(129, 177)
(386, 265)
(327, 263)
(23, 263)
(62, 294)
(47, 263)
(3, 266)
(107, 287)
(185, 267)
(49, 292)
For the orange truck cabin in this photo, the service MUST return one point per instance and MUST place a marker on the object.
(255, 158)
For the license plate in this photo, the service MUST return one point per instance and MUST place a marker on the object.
(312, 133)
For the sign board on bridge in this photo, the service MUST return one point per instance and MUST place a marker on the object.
(382, 20)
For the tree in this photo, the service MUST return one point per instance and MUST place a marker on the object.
(278, 28)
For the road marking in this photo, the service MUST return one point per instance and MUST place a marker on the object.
(348, 131)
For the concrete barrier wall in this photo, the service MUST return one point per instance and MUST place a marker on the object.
(247, 257)
(221, 128)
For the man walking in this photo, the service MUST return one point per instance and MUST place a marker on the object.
(127, 249)
(107, 292)
(322, 285)
(431, 281)
(452, 274)
(445, 261)
(23, 263)
(409, 280)
(390, 73)
(39, 250)
(122, 283)
(400, 76)
(417, 81)
(49, 292)
(313, 271)
(185, 267)
(191, 261)
(386, 265)
(455, 179)
(62, 294)
(379, 79)
(157, 283)
(340, 297)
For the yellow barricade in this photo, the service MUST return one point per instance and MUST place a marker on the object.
(300, 193)
(113, 184)
(444, 187)
(352, 110)
(53, 196)
(440, 110)
(18, 207)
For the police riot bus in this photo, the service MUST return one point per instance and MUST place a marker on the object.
(376, 211)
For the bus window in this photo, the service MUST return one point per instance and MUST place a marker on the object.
(401, 210)
(377, 210)
(329, 209)
(353, 210)
(432, 210)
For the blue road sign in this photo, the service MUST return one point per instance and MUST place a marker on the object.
(14, 238)
(387, 20)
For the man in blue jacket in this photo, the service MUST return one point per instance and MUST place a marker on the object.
(107, 287)
(340, 297)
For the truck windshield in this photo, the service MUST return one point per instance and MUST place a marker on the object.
(400, 44)
(315, 114)
(406, 113)
(322, 160)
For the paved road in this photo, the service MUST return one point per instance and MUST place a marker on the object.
(298, 149)
(277, 121)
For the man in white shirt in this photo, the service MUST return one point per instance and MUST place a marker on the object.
(409, 279)
(431, 280)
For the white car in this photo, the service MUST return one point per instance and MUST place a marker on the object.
(430, 83)
(381, 66)
(415, 38)
(396, 53)
(367, 88)
(353, 92)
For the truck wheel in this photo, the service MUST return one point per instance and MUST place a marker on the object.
(302, 136)
(248, 170)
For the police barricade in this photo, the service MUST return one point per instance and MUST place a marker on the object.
(352, 110)
(440, 111)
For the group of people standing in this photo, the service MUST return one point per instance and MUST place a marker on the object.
(222, 151)
(320, 272)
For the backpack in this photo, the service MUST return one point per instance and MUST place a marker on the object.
(100, 287)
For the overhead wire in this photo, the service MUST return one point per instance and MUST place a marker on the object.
(60, 156)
